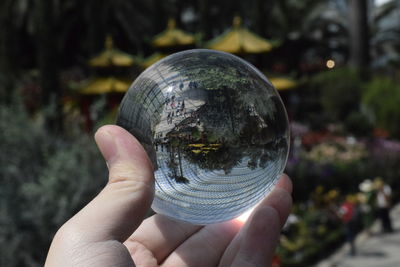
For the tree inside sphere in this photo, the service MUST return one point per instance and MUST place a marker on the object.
(215, 129)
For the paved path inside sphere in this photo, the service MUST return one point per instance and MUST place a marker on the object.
(373, 250)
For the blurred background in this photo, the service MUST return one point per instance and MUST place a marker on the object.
(65, 65)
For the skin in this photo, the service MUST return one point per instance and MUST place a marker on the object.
(111, 230)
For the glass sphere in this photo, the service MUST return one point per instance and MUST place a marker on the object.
(215, 129)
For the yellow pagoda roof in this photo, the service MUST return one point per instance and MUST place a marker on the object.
(172, 37)
(283, 83)
(111, 57)
(103, 85)
(239, 40)
(150, 60)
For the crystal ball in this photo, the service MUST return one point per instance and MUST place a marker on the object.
(215, 129)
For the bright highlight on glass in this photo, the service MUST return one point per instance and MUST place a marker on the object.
(215, 129)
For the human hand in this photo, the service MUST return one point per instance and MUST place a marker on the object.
(110, 230)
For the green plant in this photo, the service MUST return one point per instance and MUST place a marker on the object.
(358, 124)
(45, 179)
(339, 92)
(381, 97)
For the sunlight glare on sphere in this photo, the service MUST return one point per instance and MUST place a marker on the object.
(215, 129)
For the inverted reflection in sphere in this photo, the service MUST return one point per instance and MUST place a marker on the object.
(215, 130)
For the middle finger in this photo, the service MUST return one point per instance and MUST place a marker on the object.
(161, 235)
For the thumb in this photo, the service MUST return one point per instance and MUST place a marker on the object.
(122, 205)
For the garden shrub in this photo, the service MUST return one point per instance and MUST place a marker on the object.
(382, 97)
(313, 237)
(358, 124)
(339, 92)
(45, 179)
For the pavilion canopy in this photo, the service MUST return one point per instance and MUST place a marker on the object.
(173, 37)
(153, 58)
(103, 85)
(239, 40)
(283, 83)
(111, 57)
